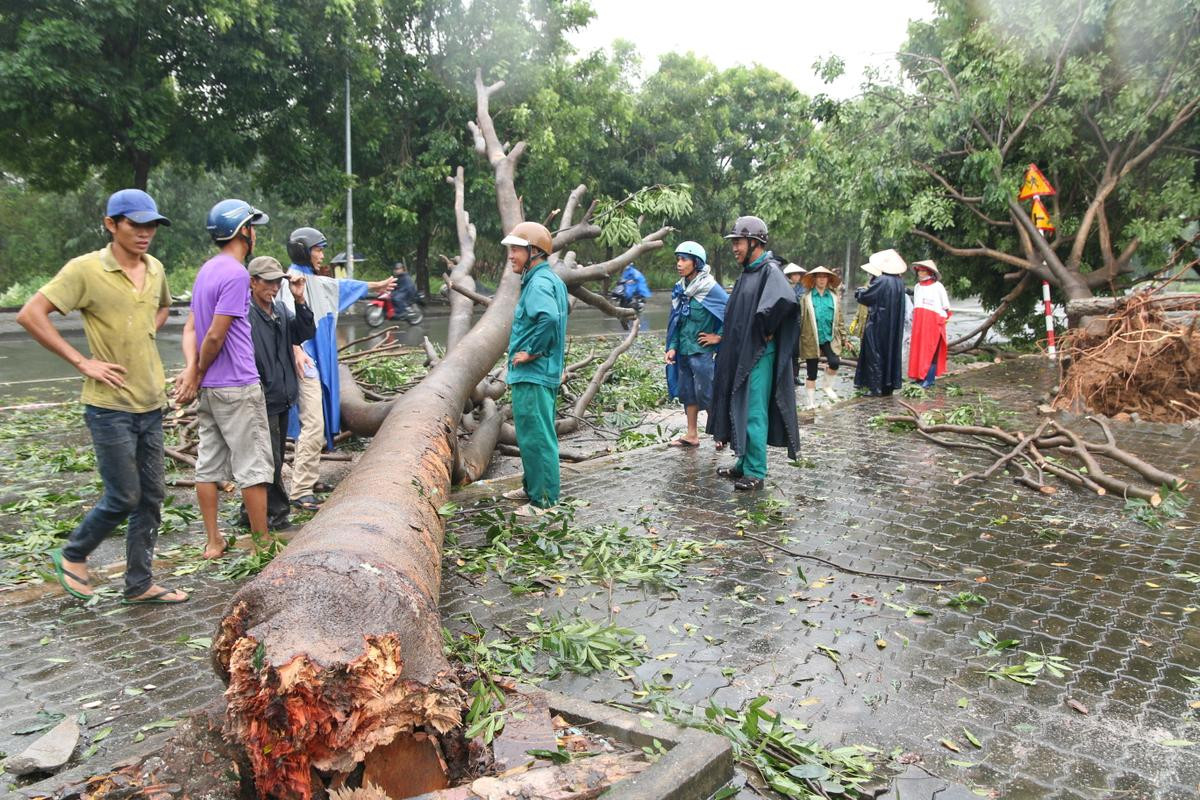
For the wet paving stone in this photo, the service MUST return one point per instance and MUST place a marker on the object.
(1066, 575)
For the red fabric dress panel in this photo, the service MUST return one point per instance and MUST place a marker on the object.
(928, 330)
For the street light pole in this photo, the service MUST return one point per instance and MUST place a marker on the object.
(349, 190)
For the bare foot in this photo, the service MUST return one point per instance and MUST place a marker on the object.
(76, 575)
(217, 550)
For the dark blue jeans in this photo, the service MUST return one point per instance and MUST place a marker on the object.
(932, 373)
(129, 456)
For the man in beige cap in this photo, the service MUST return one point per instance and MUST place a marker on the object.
(275, 330)
(880, 367)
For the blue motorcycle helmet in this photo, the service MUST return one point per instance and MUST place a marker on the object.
(228, 217)
(695, 251)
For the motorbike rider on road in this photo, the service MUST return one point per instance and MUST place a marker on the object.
(405, 291)
(632, 285)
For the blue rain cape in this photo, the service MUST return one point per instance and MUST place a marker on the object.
(633, 283)
(705, 290)
(327, 297)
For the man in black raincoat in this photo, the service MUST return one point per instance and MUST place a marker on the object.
(880, 357)
(754, 391)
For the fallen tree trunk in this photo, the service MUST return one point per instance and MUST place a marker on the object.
(1167, 301)
(335, 648)
(360, 416)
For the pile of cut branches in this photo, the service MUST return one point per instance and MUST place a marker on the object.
(1145, 358)
(1052, 450)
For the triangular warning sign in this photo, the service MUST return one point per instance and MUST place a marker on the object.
(1040, 216)
(1035, 183)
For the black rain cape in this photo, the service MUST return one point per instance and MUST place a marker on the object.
(762, 303)
(879, 359)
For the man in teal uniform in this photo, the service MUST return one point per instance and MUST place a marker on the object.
(535, 364)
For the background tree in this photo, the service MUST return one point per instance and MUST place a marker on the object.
(117, 88)
(1102, 95)
(708, 128)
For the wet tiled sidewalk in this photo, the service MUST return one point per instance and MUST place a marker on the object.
(1067, 575)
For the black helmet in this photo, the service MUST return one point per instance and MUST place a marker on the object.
(749, 228)
(301, 242)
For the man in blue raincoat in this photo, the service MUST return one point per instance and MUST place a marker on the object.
(693, 331)
(535, 364)
(633, 284)
(318, 418)
(754, 391)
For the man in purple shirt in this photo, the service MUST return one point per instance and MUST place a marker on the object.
(235, 439)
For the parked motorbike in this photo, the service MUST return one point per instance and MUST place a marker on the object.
(381, 309)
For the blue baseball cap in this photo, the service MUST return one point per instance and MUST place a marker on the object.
(136, 205)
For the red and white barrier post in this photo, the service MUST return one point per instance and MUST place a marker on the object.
(1050, 351)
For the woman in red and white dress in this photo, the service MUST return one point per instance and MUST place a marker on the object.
(931, 309)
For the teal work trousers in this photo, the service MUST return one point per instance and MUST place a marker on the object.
(753, 460)
(533, 417)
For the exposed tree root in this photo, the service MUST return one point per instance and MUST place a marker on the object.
(1144, 360)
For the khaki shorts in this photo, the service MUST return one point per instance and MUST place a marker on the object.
(235, 440)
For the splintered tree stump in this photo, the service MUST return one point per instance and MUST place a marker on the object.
(409, 766)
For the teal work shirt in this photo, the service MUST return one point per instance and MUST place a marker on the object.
(539, 328)
(823, 310)
(699, 320)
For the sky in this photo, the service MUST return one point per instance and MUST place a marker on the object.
(784, 36)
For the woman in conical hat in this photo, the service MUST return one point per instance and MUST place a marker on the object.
(931, 311)
(880, 366)
(820, 330)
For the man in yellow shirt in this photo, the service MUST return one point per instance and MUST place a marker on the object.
(121, 292)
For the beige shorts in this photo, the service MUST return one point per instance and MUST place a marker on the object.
(235, 440)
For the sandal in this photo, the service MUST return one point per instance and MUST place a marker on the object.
(62, 573)
(159, 597)
(681, 442)
(307, 503)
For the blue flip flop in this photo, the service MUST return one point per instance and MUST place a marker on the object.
(62, 573)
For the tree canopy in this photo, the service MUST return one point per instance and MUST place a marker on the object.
(203, 96)
(1101, 94)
